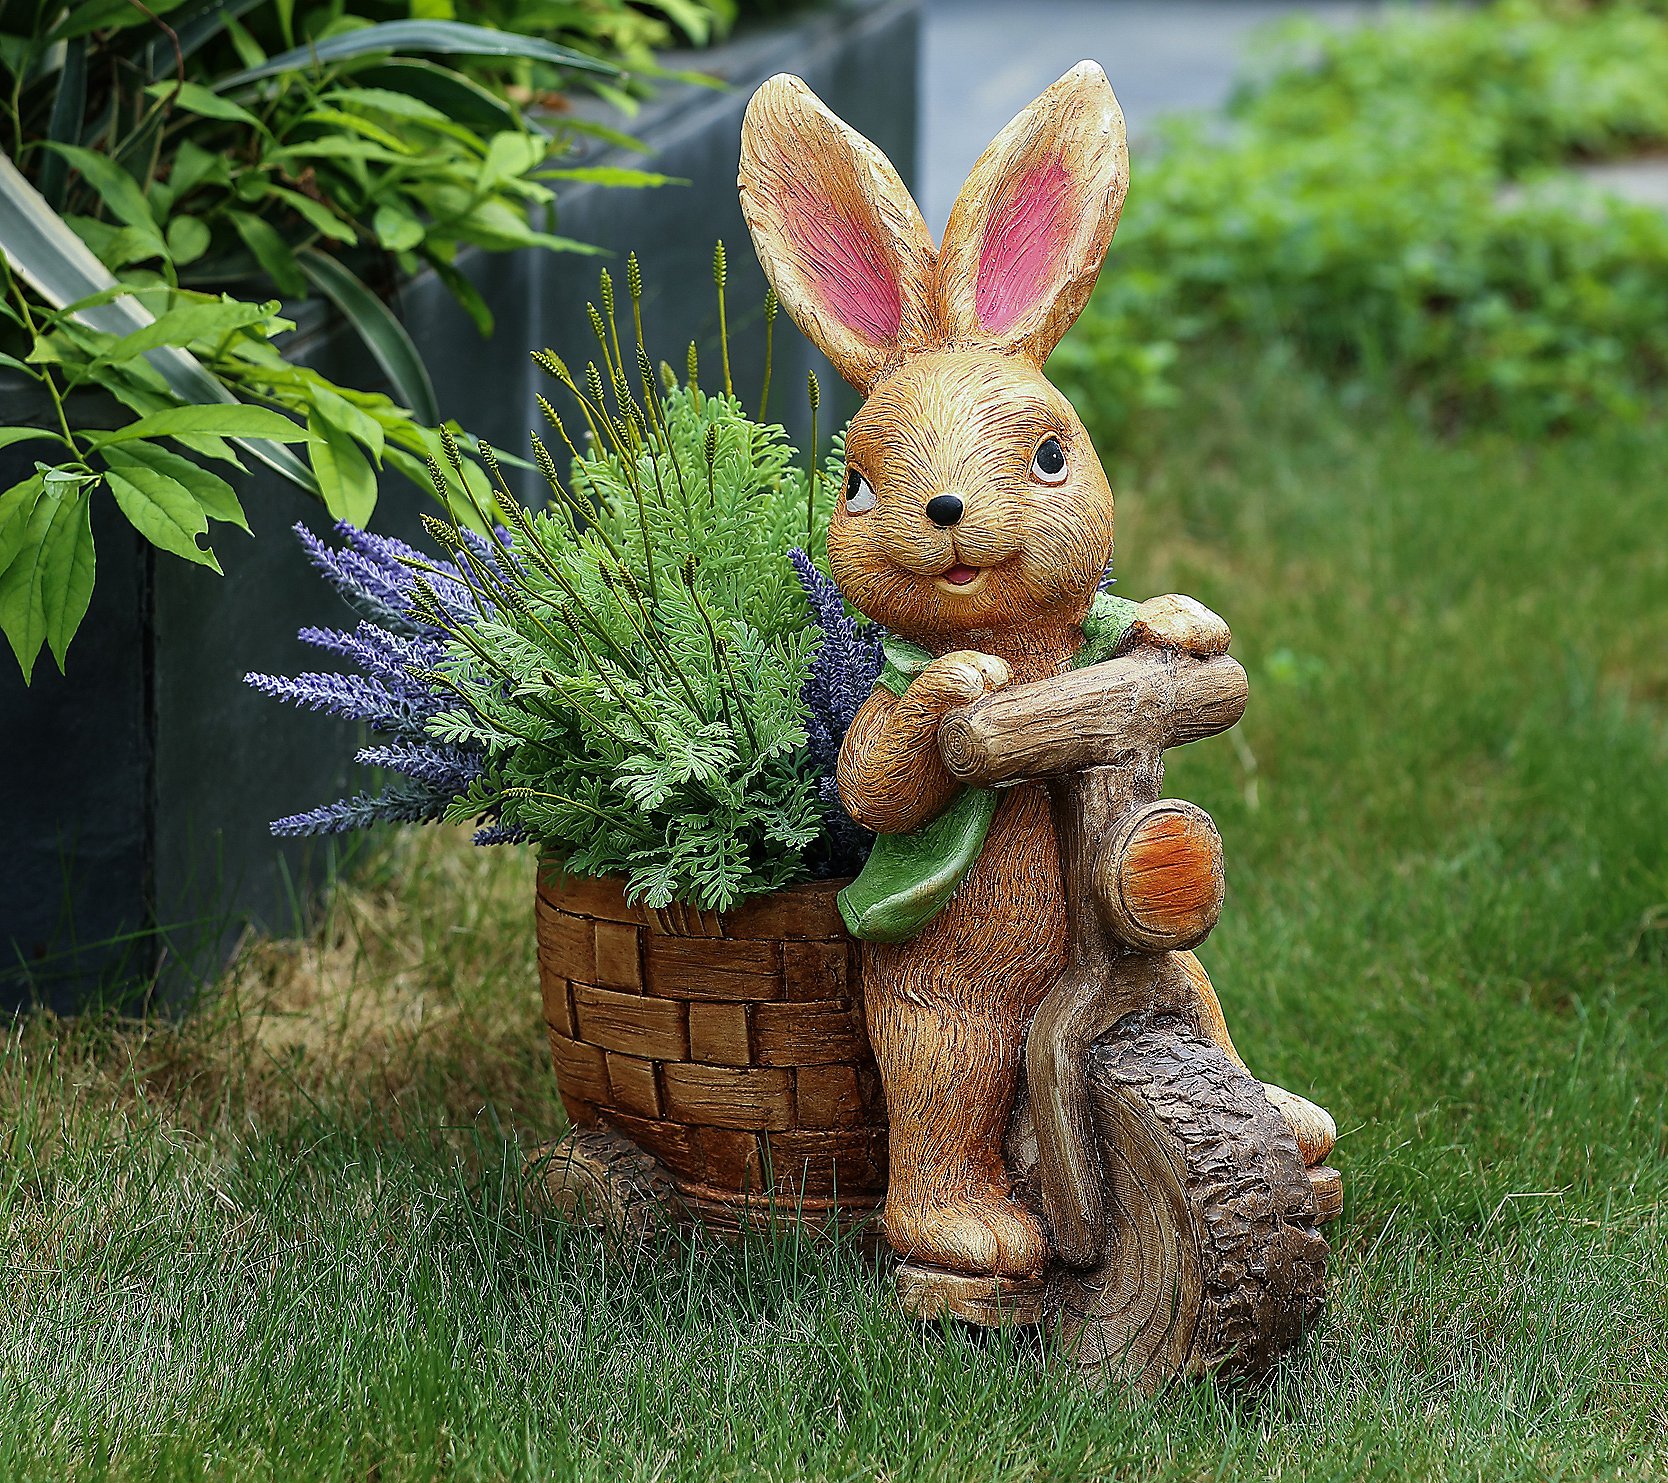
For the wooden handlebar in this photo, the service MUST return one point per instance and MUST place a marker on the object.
(1145, 701)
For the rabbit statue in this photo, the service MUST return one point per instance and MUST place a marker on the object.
(975, 525)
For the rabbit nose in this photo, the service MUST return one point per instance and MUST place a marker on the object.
(944, 510)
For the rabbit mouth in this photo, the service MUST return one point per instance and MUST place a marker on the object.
(962, 578)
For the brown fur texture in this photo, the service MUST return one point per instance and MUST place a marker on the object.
(950, 353)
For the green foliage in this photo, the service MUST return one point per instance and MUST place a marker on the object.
(1387, 210)
(191, 145)
(157, 456)
(634, 674)
(1534, 86)
(228, 162)
(629, 32)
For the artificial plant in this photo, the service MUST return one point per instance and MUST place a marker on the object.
(649, 677)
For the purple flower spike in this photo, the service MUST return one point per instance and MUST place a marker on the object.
(391, 648)
(842, 673)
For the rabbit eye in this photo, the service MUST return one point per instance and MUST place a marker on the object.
(860, 497)
(1049, 462)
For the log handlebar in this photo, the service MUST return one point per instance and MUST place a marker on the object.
(1143, 702)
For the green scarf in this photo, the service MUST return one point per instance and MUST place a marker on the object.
(910, 878)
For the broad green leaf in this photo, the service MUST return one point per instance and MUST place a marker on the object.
(191, 321)
(188, 240)
(384, 336)
(67, 570)
(116, 188)
(125, 246)
(509, 155)
(335, 148)
(195, 166)
(346, 478)
(315, 213)
(337, 118)
(395, 229)
(159, 507)
(694, 18)
(217, 498)
(10, 435)
(271, 252)
(229, 420)
(337, 409)
(435, 37)
(385, 100)
(193, 97)
(22, 608)
(497, 225)
(16, 506)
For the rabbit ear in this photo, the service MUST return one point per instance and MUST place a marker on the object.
(1031, 226)
(840, 237)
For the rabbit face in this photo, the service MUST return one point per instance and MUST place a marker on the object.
(973, 500)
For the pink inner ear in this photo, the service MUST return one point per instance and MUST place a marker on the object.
(846, 266)
(1025, 242)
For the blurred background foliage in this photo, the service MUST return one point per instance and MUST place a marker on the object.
(1395, 202)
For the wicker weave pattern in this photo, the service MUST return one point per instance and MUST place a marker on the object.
(732, 1048)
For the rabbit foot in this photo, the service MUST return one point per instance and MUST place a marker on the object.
(1312, 1126)
(996, 1236)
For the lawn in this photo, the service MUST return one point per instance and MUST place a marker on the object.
(286, 1237)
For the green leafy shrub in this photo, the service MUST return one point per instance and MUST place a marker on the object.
(1384, 211)
(164, 154)
(1534, 84)
(635, 676)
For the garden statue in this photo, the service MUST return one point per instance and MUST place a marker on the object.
(985, 1016)
(1072, 1134)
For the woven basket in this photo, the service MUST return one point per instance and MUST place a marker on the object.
(730, 1047)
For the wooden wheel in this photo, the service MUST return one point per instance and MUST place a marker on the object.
(1211, 1259)
(598, 1178)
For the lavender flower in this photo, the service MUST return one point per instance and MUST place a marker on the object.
(391, 648)
(844, 668)
(842, 673)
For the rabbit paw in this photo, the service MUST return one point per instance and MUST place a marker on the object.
(1312, 1126)
(959, 678)
(996, 1236)
(1177, 622)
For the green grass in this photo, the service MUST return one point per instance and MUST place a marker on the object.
(286, 1237)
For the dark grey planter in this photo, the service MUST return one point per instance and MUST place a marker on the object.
(137, 790)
